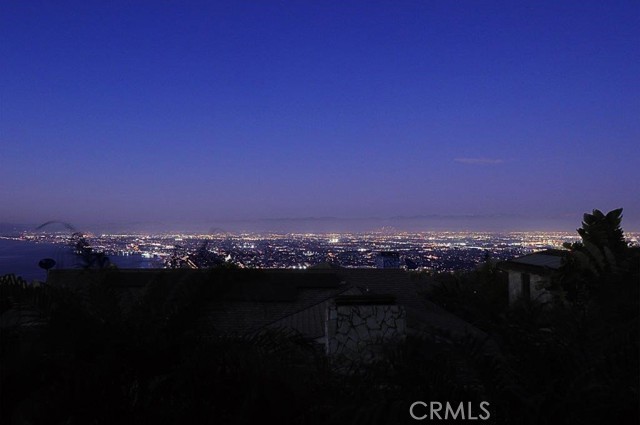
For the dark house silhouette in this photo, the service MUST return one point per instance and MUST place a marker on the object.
(529, 274)
(325, 306)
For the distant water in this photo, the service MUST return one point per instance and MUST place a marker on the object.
(21, 258)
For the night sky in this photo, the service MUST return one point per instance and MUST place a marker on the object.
(220, 112)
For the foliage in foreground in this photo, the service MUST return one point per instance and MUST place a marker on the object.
(577, 358)
(78, 357)
(88, 357)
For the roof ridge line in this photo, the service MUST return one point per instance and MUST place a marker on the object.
(303, 309)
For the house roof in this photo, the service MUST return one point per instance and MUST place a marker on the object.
(306, 312)
(253, 300)
(309, 321)
(542, 262)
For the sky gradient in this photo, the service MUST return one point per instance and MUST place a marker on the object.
(221, 112)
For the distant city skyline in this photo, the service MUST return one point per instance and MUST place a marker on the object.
(462, 223)
(267, 116)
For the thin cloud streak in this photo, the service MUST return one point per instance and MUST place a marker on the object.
(479, 161)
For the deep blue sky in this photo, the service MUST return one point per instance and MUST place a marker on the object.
(201, 112)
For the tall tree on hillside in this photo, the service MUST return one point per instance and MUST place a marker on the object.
(603, 248)
(601, 259)
(604, 230)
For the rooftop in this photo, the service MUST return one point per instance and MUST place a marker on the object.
(251, 300)
(542, 262)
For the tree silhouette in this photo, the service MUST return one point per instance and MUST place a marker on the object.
(88, 256)
(604, 230)
(603, 247)
(601, 265)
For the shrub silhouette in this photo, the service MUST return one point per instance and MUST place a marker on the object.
(89, 356)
